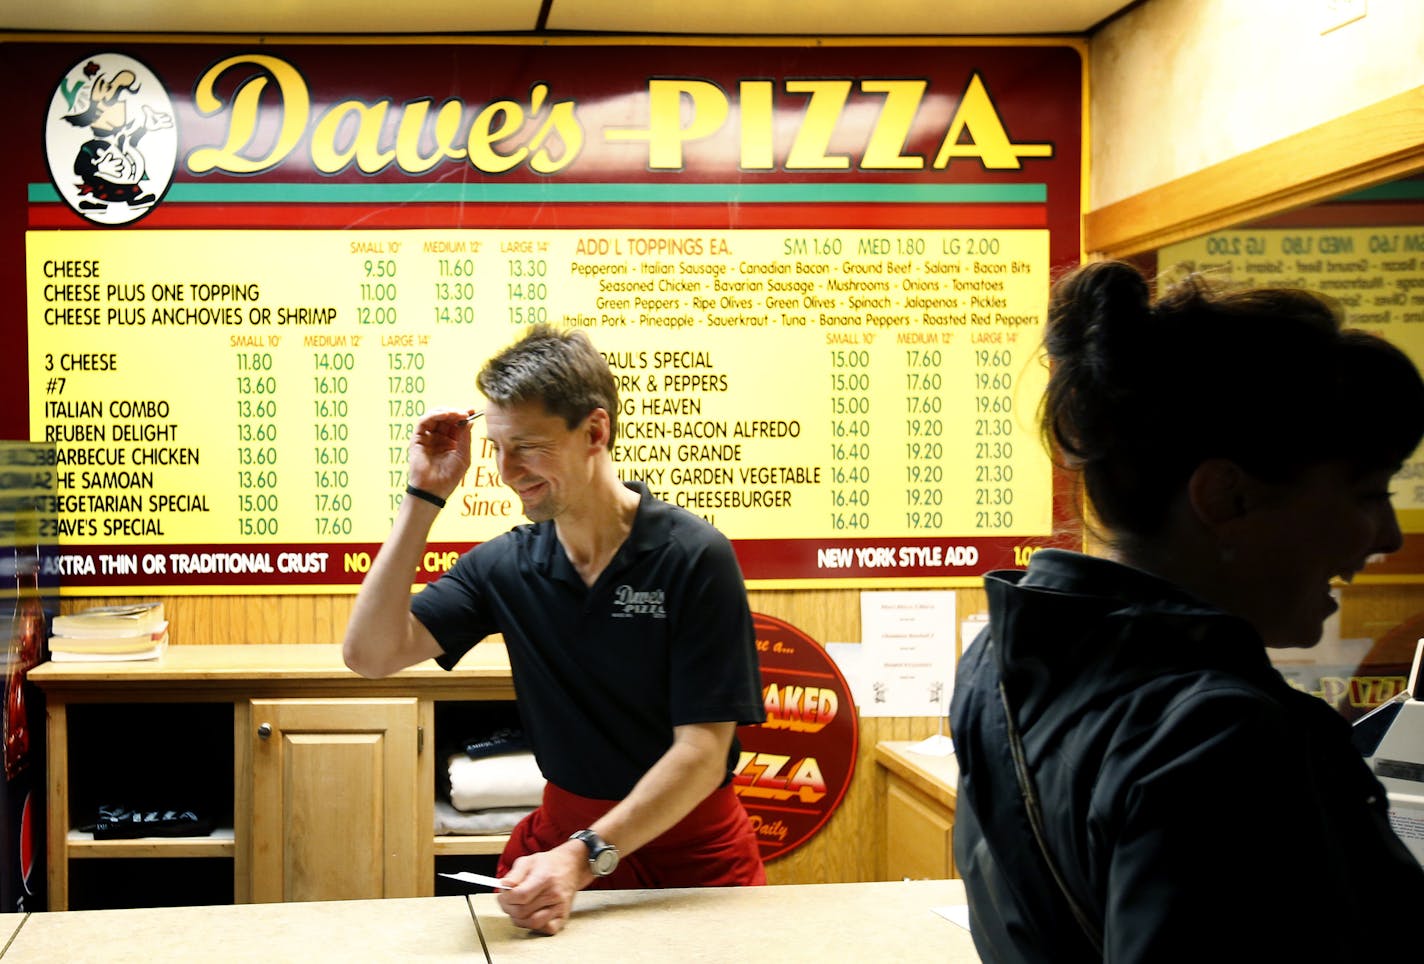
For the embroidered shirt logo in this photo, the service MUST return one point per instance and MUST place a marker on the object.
(628, 602)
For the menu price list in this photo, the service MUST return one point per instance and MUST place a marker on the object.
(238, 387)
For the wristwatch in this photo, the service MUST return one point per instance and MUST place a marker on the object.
(602, 855)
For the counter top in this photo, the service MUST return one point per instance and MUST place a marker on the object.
(9, 923)
(935, 776)
(828, 923)
(276, 667)
(416, 928)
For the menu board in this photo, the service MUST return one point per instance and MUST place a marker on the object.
(1374, 274)
(818, 272)
(780, 384)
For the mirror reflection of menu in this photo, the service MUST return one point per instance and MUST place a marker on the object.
(1366, 252)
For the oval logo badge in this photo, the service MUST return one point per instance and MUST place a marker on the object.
(110, 139)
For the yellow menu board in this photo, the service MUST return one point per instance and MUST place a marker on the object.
(234, 389)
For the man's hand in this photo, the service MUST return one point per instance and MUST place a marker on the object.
(543, 885)
(440, 452)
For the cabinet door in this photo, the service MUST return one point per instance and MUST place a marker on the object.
(919, 835)
(334, 799)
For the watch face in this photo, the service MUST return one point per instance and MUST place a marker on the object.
(604, 862)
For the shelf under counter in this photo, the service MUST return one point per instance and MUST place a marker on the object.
(222, 842)
(461, 845)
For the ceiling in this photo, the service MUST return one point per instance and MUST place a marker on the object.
(722, 17)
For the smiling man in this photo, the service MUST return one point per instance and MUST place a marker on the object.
(629, 636)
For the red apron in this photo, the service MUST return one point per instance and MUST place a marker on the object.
(713, 846)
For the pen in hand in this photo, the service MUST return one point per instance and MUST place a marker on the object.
(467, 420)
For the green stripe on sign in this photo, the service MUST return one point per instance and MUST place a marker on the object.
(567, 193)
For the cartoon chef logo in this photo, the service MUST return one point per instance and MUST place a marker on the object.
(110, 140)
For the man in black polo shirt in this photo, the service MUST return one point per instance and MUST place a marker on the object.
(629, 637)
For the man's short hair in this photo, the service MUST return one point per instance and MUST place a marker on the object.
(560, 368)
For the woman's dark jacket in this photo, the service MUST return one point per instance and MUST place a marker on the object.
(1198, 806)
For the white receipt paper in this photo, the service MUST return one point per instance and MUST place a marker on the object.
(470, 878)
(956, 913)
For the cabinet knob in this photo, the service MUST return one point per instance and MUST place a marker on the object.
(264, 731)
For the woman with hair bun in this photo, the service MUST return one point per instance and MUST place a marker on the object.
(1137, 783)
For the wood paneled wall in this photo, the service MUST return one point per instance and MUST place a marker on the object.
(851, 844)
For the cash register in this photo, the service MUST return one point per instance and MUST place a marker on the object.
(1391, 737)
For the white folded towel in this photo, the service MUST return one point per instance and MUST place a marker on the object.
(448, 820)
(508, 780)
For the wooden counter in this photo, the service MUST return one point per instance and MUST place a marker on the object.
(937, 777)
(920, 795)
(828, 923)
(229, 671)
(321, 782)
(415, 928)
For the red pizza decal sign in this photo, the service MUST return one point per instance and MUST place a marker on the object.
(795, 768)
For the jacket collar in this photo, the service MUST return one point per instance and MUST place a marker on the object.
(1070, 613)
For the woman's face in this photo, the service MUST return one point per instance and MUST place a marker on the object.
(1298, 536)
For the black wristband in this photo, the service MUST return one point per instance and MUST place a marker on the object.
(424, 496)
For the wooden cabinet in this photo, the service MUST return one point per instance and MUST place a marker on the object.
(920, 794)
(323, 783)
(336, 799)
